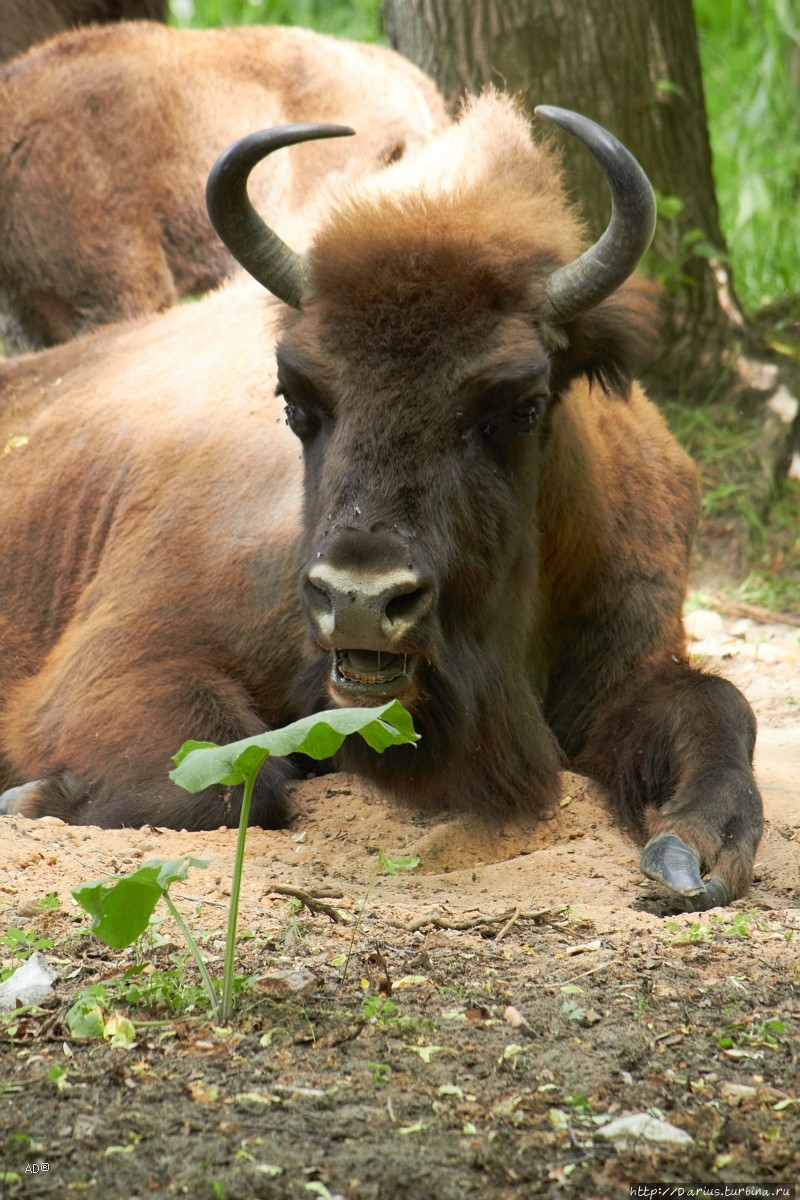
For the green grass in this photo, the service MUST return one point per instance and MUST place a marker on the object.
(750, 52)
(357, 19)
(726, 454)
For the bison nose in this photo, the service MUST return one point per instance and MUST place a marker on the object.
(366, 611)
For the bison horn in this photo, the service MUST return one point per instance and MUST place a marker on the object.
(606, 265)
(251, 242)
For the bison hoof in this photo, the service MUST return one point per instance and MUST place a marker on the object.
(669, 860)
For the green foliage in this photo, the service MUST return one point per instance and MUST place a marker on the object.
(92, 1014)
(763, 588)
(726, 451)
(85, 1018)
(20, 944)
(671, 270)
(201, 764)
(381, 1072)
(394, 864)
(356, 19)
(122, 906)
(377, 1010)
(750, 50)
(745, 1032)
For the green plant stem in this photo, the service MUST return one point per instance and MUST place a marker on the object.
(226, 1007)
(195, 949)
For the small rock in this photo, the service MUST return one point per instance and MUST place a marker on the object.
(288, 983)
(744, 1095)
(512, 1016)
(638, 1127)
(704, 623)
(584, 947)
(30, 983)
(735, 1094)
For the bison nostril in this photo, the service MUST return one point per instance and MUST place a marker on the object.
(409, 606)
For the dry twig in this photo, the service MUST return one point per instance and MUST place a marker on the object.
(313, 901)
(506, 919)
(738, 608)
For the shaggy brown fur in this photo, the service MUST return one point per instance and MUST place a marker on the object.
(157, 520)
(25, 22)
(107, 136)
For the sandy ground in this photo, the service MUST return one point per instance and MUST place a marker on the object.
(481, 1034)
(576, 857)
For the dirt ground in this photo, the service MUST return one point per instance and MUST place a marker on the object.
(477, 1034)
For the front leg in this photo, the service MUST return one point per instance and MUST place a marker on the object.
(98, 751)
(674, 747)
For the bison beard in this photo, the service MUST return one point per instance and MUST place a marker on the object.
(484, 745)
(495, 522)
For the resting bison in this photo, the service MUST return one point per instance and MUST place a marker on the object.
(24, 22)
(107, 136)
(490, 521)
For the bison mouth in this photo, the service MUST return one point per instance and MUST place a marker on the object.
(371, 676)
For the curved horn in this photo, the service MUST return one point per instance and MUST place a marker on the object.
(251, 242)
(606, 265)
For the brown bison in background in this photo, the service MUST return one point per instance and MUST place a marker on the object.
(473, 508)
(25, 22)
(107, 136)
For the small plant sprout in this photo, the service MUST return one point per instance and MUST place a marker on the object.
(20, 944)
(123, 905)
(386, 866)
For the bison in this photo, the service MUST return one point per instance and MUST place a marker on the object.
(107, 136)
(24, 22)
(471, 505)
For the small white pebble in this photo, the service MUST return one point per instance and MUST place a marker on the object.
(704, 623)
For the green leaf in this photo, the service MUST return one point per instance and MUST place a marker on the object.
(396, 863)
(669, 208)
(122, 905)
(85, 1020)
(199, 765)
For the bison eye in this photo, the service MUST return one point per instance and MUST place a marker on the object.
(518, 421)
(524, 420)
(303, 421)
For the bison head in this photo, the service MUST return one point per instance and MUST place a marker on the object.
(442, 312)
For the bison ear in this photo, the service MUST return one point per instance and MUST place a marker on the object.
(609, 344)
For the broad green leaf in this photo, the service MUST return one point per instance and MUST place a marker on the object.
(199, 765)
(85, 1020)
(122, 905)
